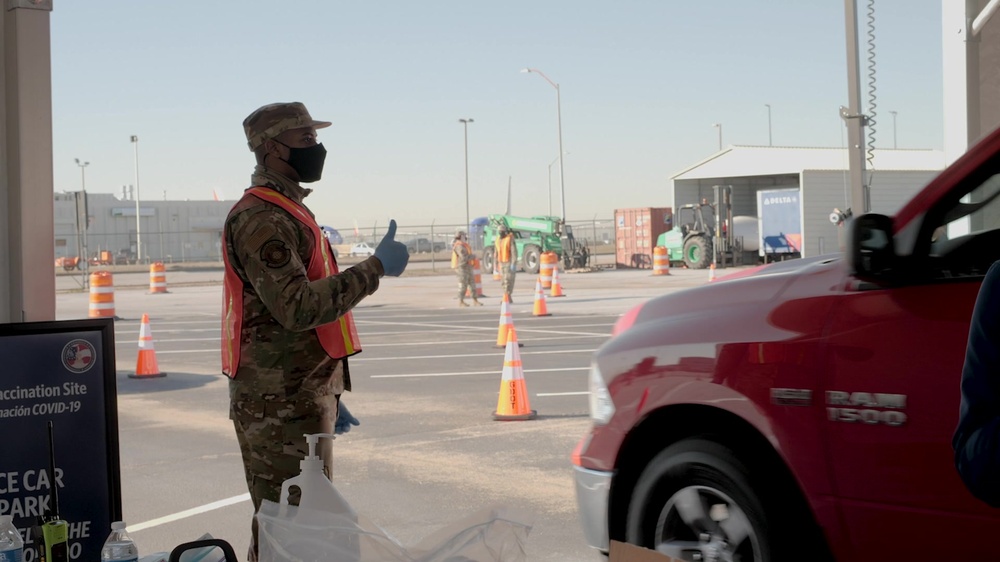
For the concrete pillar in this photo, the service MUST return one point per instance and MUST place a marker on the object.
(27, 280)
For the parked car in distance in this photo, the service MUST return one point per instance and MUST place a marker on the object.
(423, 245)
(803, 410)
(362, 249)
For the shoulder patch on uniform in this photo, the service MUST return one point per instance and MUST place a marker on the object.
(275, 253)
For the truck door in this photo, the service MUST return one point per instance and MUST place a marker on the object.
(895, 357)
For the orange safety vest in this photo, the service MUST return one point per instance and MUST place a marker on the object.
(338, 338)
(503, 248)
(454, 253)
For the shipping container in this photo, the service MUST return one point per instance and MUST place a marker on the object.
(636, 231)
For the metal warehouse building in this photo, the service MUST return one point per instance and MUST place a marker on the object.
(820, 174)
(170, 231)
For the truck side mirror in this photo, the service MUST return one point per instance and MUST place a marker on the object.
(871, 253)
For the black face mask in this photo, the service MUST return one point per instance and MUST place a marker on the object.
(307, 162)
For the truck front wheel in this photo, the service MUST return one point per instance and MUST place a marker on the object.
(695, 501)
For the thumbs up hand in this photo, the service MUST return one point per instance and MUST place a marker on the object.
(391, 253)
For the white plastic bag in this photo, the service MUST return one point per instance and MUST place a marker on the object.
(292, 534)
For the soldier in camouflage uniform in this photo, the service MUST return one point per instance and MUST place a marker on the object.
(506, 256)
(284, 298)
(461, 262)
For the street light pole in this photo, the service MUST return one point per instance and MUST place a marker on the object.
(554, 160)
(768, 106)
(465, 125)
(893, 128)
(562, 183)
(719, 127)
(138, 237)
(86, 213)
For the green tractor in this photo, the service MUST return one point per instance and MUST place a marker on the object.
(532, 237)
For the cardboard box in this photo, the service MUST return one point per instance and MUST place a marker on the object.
(624, 552)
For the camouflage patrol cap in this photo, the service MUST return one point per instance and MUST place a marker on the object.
(273, 119)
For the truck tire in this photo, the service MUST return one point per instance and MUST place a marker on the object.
(532, 259)
(488, 257)
(696, 253)
(697, 497)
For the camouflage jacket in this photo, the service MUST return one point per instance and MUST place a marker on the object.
(281, 357)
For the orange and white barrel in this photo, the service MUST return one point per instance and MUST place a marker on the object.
(102, 295)
(157, 278)
(547, 262)
(661, 261)
(477, 275)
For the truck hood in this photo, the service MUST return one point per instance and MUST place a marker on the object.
(754, 285)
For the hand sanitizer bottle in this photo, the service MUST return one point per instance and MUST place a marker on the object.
(317, 492)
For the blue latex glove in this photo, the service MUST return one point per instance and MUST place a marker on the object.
(391, 253)
(344, 420)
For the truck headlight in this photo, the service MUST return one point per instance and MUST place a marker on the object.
(601, 406)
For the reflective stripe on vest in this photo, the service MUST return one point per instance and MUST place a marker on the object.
(338, 338)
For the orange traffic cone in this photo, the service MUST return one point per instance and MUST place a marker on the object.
(512, 405)
(711, 273)
(145, 366)
(540, 308)
(506, 324)
(556, 287)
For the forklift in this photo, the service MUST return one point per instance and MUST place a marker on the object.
(695, 239)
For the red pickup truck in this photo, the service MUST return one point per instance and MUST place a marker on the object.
(803, 410)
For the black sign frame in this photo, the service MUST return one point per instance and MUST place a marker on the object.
(76, 344)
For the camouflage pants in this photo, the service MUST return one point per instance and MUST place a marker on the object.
(466, 281)
(507, 279)
(270, 434)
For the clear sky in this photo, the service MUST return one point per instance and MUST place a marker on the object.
(641, 82)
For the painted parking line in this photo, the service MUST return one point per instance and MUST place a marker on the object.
(492, 373)
(370, 345)
(543, 394)
(519, 331)
(189, 513)
(497, 353)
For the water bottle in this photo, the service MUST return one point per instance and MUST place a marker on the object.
(119, 546)
(11, 543)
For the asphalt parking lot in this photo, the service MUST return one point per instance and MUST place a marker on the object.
(427, 451)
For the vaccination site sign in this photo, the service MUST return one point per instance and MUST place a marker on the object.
(64, 373)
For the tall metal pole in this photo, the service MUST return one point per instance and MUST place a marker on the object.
(554, 160)
(769, 142)
(138, 236)
(855, 120)
(893, 129)
(719, 127)
(86, 213)
(562, 183)
(465, 125)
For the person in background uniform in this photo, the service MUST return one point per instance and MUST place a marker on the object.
(462, 261)
(977, 438)
(287, 329)
(506, 256)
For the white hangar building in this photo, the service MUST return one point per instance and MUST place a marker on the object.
(820, 174)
